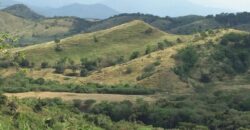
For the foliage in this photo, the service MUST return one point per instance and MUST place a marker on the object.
(21, 83)
(134, 55)
(188, 57)
(221, 110)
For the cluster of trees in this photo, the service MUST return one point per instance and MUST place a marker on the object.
(220, 110)
(231, 19)
(215, 61)
(55, 114)
(188, 58)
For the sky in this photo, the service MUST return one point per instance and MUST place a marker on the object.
(158, 7)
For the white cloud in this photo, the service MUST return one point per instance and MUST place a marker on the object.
(238, 5)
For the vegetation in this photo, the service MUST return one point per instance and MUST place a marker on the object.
(218, 110)
(20, 83)
(188, 56)
(55, 114)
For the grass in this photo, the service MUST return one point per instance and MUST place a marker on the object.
(74, 96)
(33, 32)
(122, 40)
(118, 41)
(162, 77)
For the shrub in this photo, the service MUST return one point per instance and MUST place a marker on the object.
(44, 65)
(188, 57)
(149, 31)
(128, 70)
(134, 55)
(95, 39)
(59, 69)
(58, 48)
(57, 40)
(3, 99)
(148, 50)
(84, 72)
(178, 40)
(160, 46)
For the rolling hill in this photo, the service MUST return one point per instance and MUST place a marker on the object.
(38, 31)
(121, 40)
(23, 11)
(151, 70)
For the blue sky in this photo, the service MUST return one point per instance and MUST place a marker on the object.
(158, 7)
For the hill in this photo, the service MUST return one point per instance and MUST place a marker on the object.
(118, 41)
(98, 11)
(33, 32)
(23, 11)
(151, 70)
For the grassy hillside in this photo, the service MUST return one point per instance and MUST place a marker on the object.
(118, 41)
(32, 32)
(152, 70)
(23, 11)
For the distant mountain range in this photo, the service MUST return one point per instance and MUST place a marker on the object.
(108, 8)
(97, 11)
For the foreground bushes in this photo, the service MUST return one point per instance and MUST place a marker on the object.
(219, 110)
(20, 83)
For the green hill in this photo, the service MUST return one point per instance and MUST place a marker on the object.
(119, 41)
(33, 32)
(23, 11)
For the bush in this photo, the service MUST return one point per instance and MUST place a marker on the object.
(128, 70)
(160, 46)
(44, 65)
(58, 48)
(188, 57)
(3, 99)
(59, 69)
(149, 31)
(84, 72)
(134, 55)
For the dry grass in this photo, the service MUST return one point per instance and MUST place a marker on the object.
(73, 96)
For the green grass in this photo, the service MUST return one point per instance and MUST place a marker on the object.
(118, 41)
(33, 32)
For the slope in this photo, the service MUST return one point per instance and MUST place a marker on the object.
(119, 41)
(159, 75)
(23, 11)
(31, 32)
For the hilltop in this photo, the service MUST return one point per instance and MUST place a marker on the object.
(118, 41)
(21, 10)
(38, 31)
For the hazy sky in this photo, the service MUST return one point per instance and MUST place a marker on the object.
(239, 5)
(157, 7)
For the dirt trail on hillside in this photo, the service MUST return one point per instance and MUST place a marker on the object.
(71, 96)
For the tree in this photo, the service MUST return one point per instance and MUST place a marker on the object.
(57, 40)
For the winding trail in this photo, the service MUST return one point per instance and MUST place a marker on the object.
(72, 96)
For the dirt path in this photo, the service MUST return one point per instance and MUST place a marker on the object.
(71, 96)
